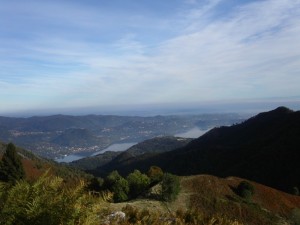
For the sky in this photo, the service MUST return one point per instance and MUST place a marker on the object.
(81, 54)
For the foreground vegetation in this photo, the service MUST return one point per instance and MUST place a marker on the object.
(53, 200)
(48, 201)
(152, 198)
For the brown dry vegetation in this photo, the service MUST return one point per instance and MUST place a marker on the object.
(210, 196)
(33, 170)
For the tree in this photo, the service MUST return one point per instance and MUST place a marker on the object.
(11, 168)
(118, 185)
(155, 174)
(138, 183)
(170, 187)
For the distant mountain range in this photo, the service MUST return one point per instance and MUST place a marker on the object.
(265, 149)
(58, 135)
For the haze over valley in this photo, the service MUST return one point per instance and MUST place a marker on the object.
(57, 136)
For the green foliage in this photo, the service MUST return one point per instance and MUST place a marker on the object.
(138, 183)
(170, 187)
(118, 185)
(155, 174)
(47, 202)
(295, 216)
(245, 190)
(296, 191)
(95, 184)
(11, 168)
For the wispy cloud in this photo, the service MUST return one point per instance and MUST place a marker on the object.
(75, 54)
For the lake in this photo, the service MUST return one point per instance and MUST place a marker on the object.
(113, 147)
(193, 133)
(116, 148)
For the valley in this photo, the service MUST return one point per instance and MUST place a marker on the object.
(58, 136)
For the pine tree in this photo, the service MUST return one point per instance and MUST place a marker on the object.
(11, 168)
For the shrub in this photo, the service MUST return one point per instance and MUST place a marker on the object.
(155, 174)
(118, 185)
(138, 183)
(296, 191)
(95, 184)
(245, 190)
(170, 187)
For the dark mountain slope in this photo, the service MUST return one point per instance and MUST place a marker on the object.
(91, 163)
(265, 149)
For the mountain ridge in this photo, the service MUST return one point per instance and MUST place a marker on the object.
(264, 148)
(145, 148)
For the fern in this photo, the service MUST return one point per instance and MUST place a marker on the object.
(48, 202)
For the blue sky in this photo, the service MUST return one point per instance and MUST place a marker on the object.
(62, 54)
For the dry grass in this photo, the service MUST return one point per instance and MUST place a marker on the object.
(213, 195)
(205, 197)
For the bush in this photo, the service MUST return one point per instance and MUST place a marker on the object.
(95, 184)
(155, 174)
(138, 183)
(296, 191)
(118, 185)
(245, 190)
(170, 187)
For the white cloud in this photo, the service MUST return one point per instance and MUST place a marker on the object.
(251, 52)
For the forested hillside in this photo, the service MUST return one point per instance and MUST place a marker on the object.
(265, 149)
(114, 160)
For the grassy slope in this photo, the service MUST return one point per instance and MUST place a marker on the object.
(212, 195)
